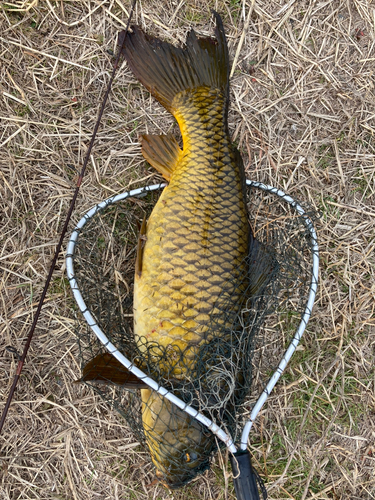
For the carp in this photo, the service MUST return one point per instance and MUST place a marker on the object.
(191, 253)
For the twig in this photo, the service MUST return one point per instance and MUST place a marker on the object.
(59, 59)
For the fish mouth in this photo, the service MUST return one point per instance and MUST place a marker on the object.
(182, 475)
(179, 474)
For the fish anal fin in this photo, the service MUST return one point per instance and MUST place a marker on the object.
(140, 247)
(105, 368)
(263, 266)
(162, 152)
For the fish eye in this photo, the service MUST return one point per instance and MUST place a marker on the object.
(190, 457)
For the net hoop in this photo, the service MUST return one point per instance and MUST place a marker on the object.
(111, 348)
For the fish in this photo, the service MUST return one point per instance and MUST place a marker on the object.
(192, 262)
(192, 251)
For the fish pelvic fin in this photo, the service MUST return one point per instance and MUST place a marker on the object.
(162, 152)
(166, 70)
(141, 244)
(106, 368)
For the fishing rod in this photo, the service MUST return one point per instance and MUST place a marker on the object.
(21, 358)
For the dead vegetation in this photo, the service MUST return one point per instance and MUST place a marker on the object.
(303, 115)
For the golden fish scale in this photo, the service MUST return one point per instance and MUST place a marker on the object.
(196, 239)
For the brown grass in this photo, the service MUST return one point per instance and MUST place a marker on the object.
(303, 115)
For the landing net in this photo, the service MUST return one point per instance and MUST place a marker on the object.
(253, 336)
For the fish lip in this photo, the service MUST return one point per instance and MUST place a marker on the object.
(177, 480)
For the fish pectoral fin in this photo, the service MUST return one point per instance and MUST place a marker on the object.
(162, 152)
(106, 368)
(263, 266)
(140, 247)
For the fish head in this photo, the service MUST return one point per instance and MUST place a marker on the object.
(180, 447)
(178, 463)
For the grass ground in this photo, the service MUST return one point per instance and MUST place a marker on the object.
(303, 115)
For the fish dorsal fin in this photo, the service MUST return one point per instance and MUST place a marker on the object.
(105, 368)
(162, 152)
(262, 266)
(166, 70)
(140, 247)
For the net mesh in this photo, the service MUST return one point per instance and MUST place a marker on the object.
(217, 374)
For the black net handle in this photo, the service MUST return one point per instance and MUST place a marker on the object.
(246, 479)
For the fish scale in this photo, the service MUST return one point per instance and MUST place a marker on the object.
(196, 237)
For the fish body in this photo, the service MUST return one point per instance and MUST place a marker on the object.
(196, 239)
(192, 252)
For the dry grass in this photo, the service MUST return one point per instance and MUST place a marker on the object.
(303, 116)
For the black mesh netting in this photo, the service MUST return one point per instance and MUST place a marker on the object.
(214, 377)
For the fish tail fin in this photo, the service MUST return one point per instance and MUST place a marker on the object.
(166, 70)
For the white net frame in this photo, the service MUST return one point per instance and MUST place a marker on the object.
(217, 430)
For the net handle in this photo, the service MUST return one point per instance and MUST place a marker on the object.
(215, 429)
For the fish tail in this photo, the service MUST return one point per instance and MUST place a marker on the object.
(166, 70)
